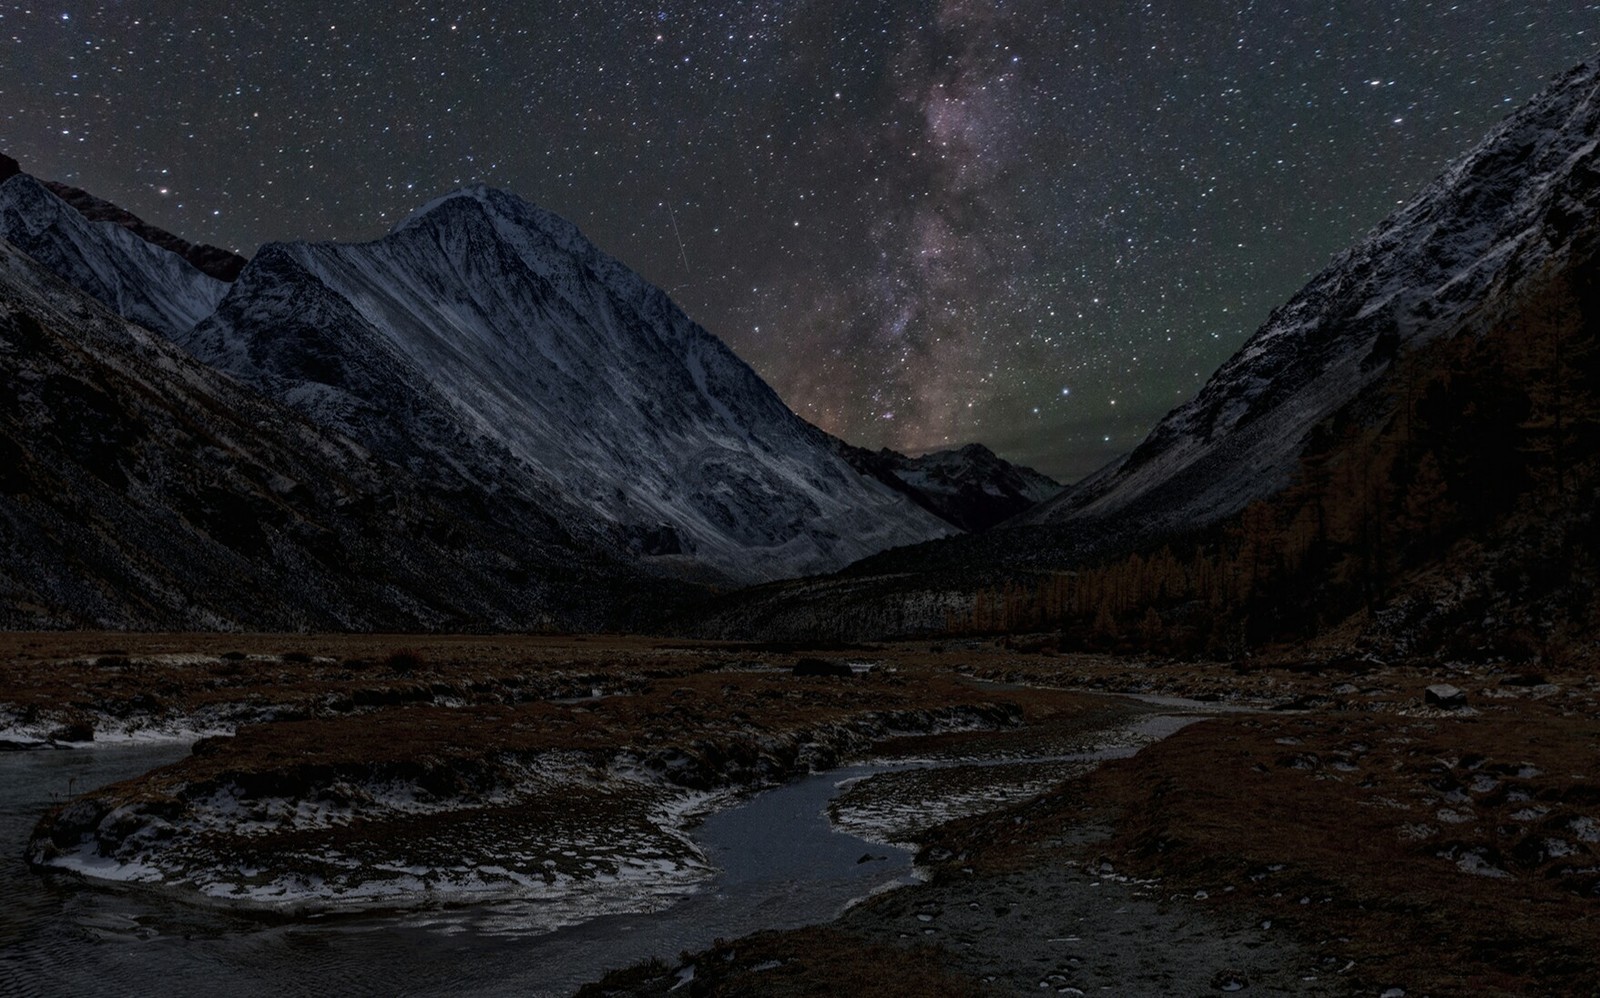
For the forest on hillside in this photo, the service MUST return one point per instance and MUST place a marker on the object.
(1451, 510)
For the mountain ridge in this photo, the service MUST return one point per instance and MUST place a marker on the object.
(213, 261)
(438, 383)
(574, 373)
(971, 487)
(1413, 277)
(142, 489)
(137, 279)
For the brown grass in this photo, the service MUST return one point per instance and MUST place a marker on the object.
(1331, 825)
(1329, 822)
(719, 716)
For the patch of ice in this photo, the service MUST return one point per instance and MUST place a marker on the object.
(86, 861)
(1559, 848)
(1473, 862)
(1483, 783)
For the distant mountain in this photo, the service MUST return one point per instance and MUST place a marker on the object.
(490, 337)
(1500, 213)
(972, 488)
(140, 488)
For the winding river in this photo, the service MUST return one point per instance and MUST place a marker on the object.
(781, 863)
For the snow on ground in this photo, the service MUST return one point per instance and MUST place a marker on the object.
(912, 795)
(579, 840)
(134, 731)
(893, 807)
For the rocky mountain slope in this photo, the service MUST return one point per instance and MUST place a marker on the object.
(972, 488)
(213, 261)
(490, 335)
(137, 279)
(1503, 211)
(142, 489)
(485, 344)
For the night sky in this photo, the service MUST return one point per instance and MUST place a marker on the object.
(1038, 225)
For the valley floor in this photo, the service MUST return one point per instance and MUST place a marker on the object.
(1085, 824)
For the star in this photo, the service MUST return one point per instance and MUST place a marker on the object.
(936, 210)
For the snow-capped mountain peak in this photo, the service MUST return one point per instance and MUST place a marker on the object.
(501, 341)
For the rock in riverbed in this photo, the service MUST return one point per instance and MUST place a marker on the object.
(1444, 695)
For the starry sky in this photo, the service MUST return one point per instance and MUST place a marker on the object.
(1038, 225)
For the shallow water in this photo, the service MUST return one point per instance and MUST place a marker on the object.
(782, 865)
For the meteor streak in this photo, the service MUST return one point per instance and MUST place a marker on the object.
(681, 253)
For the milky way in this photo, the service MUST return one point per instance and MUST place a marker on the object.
(1038, 225)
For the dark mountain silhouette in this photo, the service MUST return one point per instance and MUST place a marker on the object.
(972, 487)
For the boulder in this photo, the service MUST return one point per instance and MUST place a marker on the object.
(1444, 695)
